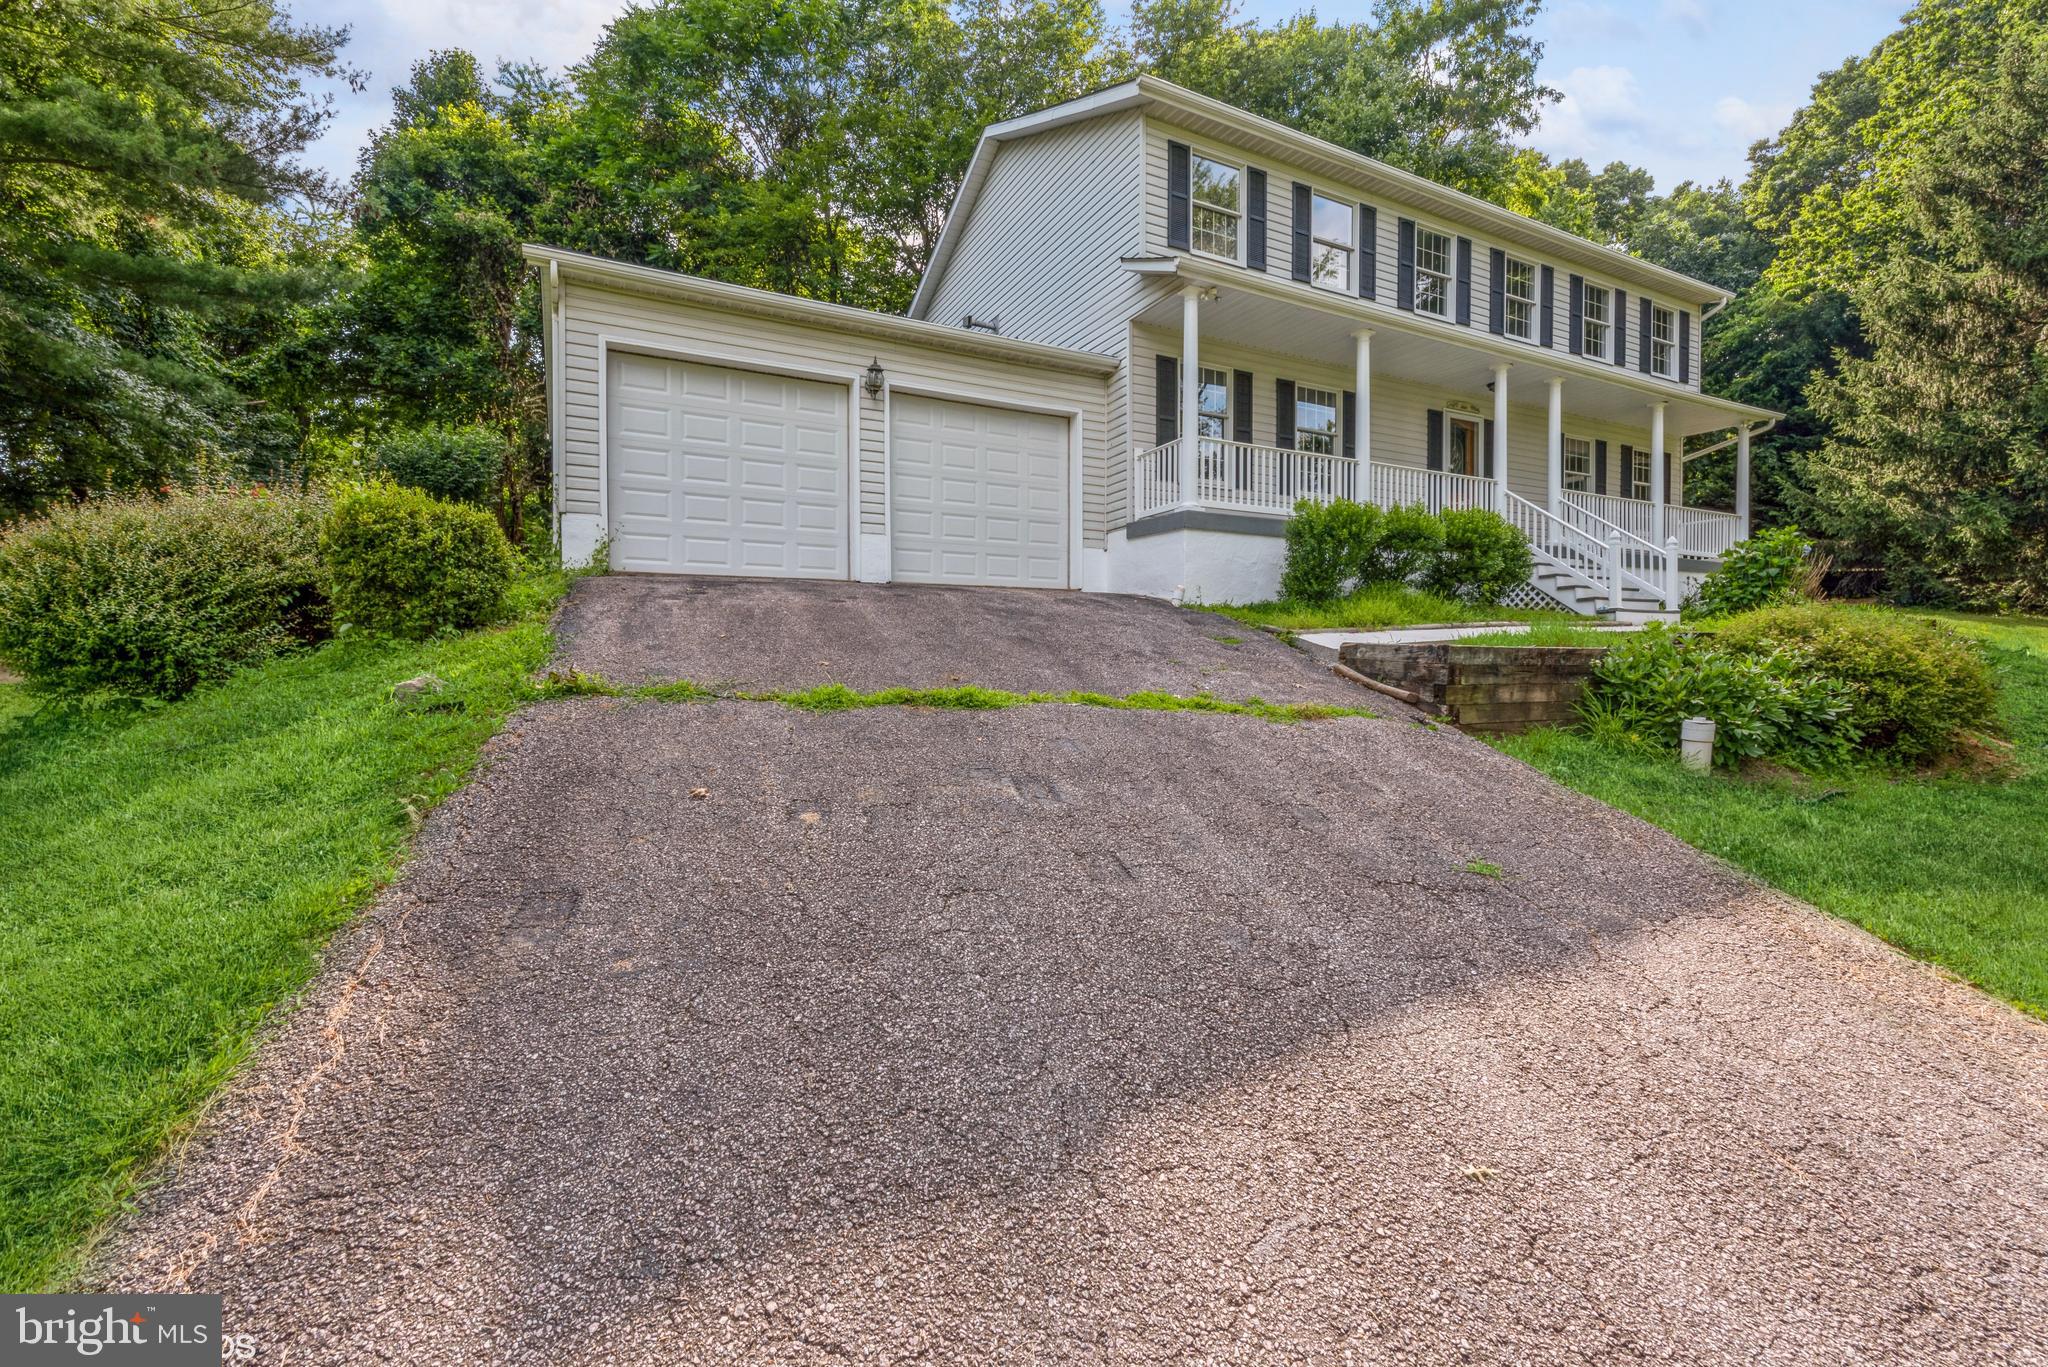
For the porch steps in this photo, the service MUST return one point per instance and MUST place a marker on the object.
(1576, 593)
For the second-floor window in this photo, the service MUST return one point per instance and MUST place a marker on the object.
(1663, 343)
(1330, 254)
(1578, 464)
(1432, 272)
(1214, 417)
(1519, 289)
(1639, 474)
(1217, 207)
(1598, 321)
(1315, 420)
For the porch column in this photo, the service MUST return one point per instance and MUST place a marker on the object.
(1500, 438)
(1363, 383)
(1742, 479)
(1657, 472)
(1555, 488)
(1190, 393)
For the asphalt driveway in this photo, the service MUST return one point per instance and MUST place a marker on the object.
(1066, 1035)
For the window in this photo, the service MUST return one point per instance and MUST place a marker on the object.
(1639, 474)
(1432, 272)
(1214, 417)
(1520, 292)
(1216, 207)
(1315, 420)
(1663, 343)
(1330, 251)
(1578, 464)
(1597, 320)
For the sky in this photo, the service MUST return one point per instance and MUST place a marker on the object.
(1681, 87)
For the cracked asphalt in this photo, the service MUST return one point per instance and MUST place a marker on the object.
(1066, 1035)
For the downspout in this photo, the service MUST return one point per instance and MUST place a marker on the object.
(554, 365)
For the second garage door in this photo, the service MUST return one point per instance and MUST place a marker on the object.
(977, 495)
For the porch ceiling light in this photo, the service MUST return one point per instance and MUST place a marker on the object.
(871, 385)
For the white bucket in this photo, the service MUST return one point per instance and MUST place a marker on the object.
(1696, 743)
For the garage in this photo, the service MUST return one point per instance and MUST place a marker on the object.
(977, 493)
(715, 470)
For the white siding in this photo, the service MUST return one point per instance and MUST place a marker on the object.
(1280, 180)
(625, 321)
(1042, 248)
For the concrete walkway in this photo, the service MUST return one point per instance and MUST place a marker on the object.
(729, 1032)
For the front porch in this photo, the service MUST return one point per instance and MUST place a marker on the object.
(1290, 400)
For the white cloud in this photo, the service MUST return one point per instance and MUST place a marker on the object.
(1581, 19)
(1690, 15)
(1746, 122)
(1598, 104)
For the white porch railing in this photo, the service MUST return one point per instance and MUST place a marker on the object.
(1575, 543)
(1241, 477)
(1703, 532)
(1397, 486)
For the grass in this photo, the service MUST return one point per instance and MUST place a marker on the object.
(1375, 609)
(1570, 632)
(1948, 868)
(172, 872)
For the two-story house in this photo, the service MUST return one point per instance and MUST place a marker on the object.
(1119, 274)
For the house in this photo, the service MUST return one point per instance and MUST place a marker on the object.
(1152, 323)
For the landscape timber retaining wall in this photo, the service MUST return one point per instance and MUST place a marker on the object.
(1484, 688)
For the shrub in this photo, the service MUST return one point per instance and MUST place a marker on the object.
(1916, 687)
(401, 561)
(151, 597)
(1765, 570)
(459, 463)
(1327, 543)
(1772, 705)
(1483, 557)
(1410, 539)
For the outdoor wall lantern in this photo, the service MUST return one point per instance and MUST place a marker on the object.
(873, 383)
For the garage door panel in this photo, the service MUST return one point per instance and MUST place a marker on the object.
(978, 495)
(724, 471)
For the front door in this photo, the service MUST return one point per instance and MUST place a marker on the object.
(1465, 457)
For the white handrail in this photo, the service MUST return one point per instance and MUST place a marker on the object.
(1596, 560)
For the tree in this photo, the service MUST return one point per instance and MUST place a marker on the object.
(1939, 457)
(143, 144)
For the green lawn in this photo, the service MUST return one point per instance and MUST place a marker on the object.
(1952, 869)
(172, 871)
(1375, 609)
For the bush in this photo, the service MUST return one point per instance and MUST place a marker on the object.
(1916, 687)
(1762, 571)
(1410, 539)
(401, 561)
(1773, 705)
(1327, 544)
(1483, 557)
(459, 463)
(151, 597)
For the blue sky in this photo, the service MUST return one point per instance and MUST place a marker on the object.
(1679, 86)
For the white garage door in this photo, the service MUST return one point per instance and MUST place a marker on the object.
(717, 471)
(977, 495)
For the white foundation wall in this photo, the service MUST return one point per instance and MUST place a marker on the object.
(1197, 565)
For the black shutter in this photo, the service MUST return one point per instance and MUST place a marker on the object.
(1544, 308)
(1600, 466)
(1575, 317)
(1465, 282)
(1684, 347)
(1668, 486)
(1180, 184)
(1255, 218)
(1351, 423)
(1283, 414)
(1404, 263)
(1489, 448)
(1368, 252)
(1496, 291)
(1643, 334)
(1621, 327)
(1241, 406)
(1165, 399)
(1304, 211)
(1436, 439)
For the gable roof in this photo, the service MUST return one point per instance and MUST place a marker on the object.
(1265, 137)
